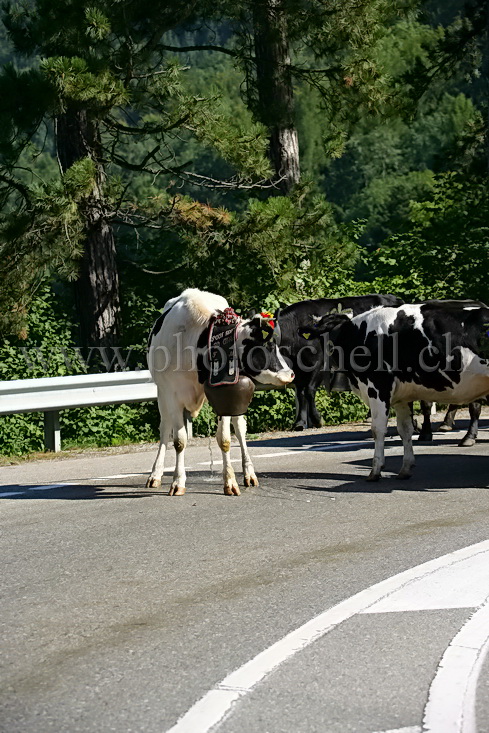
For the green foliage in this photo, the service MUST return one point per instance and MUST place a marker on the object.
(444, 252)
(49, 352)
(42, 240)
(278, 249)
(75, 83)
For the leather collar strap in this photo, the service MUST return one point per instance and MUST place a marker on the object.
(223, 354)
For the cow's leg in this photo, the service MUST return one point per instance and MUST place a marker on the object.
(301, 408)
(224, 441)
(249, 476)
(154, 480)
(471, 436)
(314, 419)
(449, 420)
(180, 443)
(426, 433)
(380, 416)
(405, 430)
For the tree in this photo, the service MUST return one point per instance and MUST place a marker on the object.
(282, 45)
(275, 94)
(107, 91)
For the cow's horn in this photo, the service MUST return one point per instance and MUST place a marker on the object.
(276, 331)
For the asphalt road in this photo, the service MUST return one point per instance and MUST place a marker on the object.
(279, 611)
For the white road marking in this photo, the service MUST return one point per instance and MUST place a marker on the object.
(11, 493)
(216, 704)
(300, 449)
(116, 475)
(451, 700)
(409, 729)
(46, 487)
(462, 585)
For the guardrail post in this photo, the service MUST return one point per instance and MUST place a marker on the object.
(188, 424)
(52, 431)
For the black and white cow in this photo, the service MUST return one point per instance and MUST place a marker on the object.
(308, 363)
(431, 351)
(176, 348)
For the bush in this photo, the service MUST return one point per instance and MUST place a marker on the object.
(444, 251)
(48, 352)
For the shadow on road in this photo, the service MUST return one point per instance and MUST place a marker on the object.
(434, 472)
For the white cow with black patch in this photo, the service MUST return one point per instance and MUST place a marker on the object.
(176, 356)
(434, 351)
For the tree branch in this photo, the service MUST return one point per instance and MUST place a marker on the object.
(15, 184)
(209, 47)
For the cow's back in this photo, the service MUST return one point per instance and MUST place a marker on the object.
(175, 335)
(307, 312)
(437, 347)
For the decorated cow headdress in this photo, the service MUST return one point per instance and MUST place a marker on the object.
(223, 334)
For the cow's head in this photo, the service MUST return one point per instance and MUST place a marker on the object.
(333, 329)
(329, 324)
(258, 347)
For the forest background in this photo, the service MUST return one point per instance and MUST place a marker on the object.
(267, 150)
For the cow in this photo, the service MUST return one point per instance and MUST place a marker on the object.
(308, 363)
(177, 361)
(432, 351)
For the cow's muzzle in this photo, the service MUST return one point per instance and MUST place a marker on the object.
(278, 379)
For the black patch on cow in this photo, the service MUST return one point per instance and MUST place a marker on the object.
(372, 392)
(203, 366)
(157, 325)
(483, 342)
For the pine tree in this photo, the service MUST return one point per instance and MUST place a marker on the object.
(282, 45)
(111, 98)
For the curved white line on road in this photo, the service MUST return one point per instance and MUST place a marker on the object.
(216, 704)
(451, 700)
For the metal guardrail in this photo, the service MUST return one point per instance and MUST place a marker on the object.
(52, 394)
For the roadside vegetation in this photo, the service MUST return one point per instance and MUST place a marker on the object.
(270, 151)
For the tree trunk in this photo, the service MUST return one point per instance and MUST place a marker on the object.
(97, 288)
(275, 90)
(485, 66)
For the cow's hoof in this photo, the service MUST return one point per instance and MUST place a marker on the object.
(231, 488)
(299, 426)
(425, 437)
(444, 428)
(250, 480)
(176, 490)
(373, 476)
(153, 483)
(466, 443)
(403, 475)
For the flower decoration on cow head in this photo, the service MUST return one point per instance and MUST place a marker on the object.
(228, 317)
(268, 317)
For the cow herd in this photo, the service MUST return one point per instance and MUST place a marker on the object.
(387, 352)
